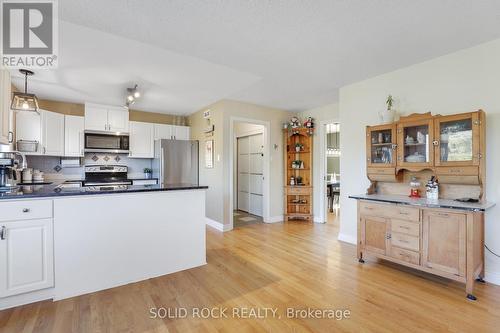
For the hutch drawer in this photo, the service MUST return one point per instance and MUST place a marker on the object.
(405, 227)
(405, 255)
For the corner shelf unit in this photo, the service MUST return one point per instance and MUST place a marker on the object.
(298, 198)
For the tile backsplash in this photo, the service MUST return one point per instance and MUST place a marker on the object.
(51, 165)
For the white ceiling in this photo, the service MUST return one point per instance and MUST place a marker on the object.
(294, 54)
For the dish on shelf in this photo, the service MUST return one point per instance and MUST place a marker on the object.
(415, 158)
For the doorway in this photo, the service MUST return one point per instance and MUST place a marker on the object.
(332, 171)
(248, 178)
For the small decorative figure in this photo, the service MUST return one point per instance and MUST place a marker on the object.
(294, 122)
(309, 124)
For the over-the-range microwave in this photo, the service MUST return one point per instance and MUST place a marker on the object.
(106, 142)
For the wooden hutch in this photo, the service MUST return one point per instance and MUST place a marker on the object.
(440, 236)
(298, 166)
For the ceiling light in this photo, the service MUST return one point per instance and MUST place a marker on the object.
(22, 101)
(132, 95)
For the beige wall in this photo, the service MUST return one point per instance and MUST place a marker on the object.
(459, 82)
(76, 109)
(219, 178)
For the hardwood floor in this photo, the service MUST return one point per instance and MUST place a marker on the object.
(296, 265)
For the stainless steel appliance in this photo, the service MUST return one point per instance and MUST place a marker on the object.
(9, 169)
(176, 162)
(97, 176)
(106, 143)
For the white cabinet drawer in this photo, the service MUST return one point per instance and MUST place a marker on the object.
(25, 210)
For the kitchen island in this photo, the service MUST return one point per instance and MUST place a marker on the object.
(63, 242)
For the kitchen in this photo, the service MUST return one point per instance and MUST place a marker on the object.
(89, 177)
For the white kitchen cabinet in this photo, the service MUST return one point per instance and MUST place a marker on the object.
(26, 256)
(163, 131)
(29, 128)
(6, 134)
(106, 118)
(118, 119)
(141, 140)
(180, 132)
(52, 133)
(73, 136)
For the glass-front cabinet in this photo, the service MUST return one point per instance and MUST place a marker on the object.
(457, 140)
(381, 143)
(416, 143)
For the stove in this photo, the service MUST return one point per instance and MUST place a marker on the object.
(97, 176)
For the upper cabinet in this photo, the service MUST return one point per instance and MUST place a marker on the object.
(180, 132)
(52, 133)
(106, 118)
(73, 136)
(141, 140)
(163, 131)
(171, 132)
(451, 146)
(458, 139)
(415, 142)
(29, 132)
(6, 134)
(381, 143)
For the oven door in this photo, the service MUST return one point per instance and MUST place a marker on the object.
(106, 143)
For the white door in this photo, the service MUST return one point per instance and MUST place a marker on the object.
(141, 140)
(96, 118)
(250, 174)
(26, 256)
(181, 132)
(6, 135)
(52, 133)
(73, 136)
(256, 159)
(163, 131)
(118, 120)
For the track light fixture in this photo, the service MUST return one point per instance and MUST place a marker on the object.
(132, 95)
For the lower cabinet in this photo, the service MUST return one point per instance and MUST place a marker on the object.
(437, 241)
(444, 242)
(26, 256)
(375, 231)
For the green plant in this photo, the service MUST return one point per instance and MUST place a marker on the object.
(299, 145)
(389, 102)
(148, 170)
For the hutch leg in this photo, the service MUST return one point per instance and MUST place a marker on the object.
(469, 267)
(480, 278)
(359, 241)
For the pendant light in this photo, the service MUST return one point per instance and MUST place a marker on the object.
(22, 101)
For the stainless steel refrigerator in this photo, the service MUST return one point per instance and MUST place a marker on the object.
(176, 162)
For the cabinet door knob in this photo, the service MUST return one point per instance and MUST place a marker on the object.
(26, 210)
(2, 233)
(11, 137)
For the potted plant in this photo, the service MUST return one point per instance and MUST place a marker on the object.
(299, 146)
(387, 116)
(148, 173)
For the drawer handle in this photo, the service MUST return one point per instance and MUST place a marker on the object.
(26, 210)
(404, 213)
(2, 233)
(369, 208)
(403, 241)
(444, 214)
(403, 227)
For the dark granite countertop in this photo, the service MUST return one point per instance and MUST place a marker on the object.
(424, 202)
(49, 191)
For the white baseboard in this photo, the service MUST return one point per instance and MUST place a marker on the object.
(317, 219)
(217, 225)
(274, 219)
(492, 277)
(347, 239)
